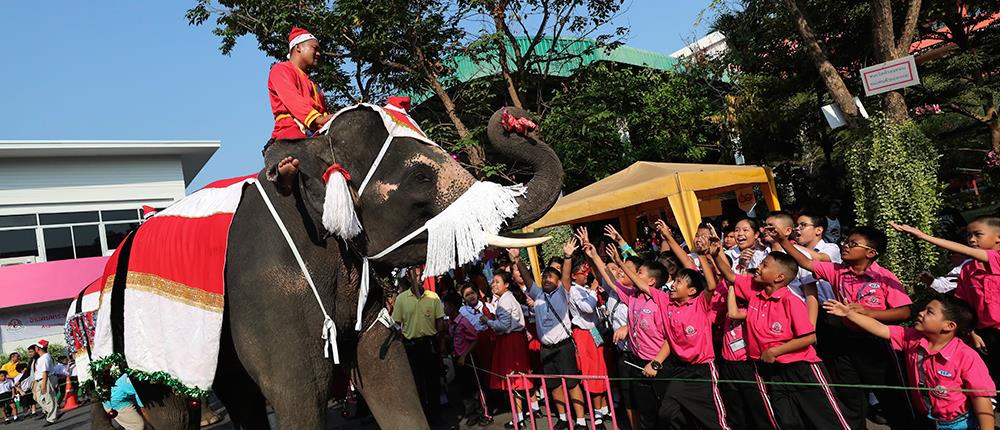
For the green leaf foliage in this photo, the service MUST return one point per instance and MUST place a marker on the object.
(893, 174)
(609, 118)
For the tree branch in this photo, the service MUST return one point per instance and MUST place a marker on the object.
(909, 28)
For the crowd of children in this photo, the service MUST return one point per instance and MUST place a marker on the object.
(768, 325)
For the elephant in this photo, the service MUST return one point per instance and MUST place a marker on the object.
(271, 351)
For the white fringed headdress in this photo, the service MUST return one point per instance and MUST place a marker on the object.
(456, 235)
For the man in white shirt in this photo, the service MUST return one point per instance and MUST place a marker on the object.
(554, 327)
(44, 387)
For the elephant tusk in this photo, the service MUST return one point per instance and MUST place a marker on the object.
(510, 242)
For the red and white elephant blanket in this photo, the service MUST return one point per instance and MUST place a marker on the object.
(168, 319)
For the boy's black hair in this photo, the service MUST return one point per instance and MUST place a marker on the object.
(695, 279)
(786, 263)
(32, 347)
(634, 260)
(817, 220)
(958, 311)
(990, 221)
(555, 260)
(704, 225)
(551, 270)
(728, 229)
(3, 372)
(874, 237)
(452, 299)
(656, 271)
(21, 367)
(782, 215)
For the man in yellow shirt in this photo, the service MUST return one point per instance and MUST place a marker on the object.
(11, 365)
(422, 316)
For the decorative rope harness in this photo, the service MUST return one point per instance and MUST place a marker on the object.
(456, 234)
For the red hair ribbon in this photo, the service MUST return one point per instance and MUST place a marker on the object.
(336, 167)
(517, 125)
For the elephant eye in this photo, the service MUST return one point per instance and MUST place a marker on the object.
(421, 176)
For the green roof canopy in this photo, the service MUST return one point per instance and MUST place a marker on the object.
(583, 52)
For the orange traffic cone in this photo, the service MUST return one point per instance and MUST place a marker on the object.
(71, 402)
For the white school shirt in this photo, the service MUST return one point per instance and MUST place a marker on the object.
(473, 314)
(43, 364)
(552, 327)
(6, 385)
(804, 277)
(619, 314)
(584, 307)
(734, 256)
(509, 317)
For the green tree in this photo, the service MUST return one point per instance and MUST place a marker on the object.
(610, 117)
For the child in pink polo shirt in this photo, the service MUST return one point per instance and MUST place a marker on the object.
(463, 337)
(978, 282)
(853, 356)
(780, 338)
(936, 360)
(685, 311)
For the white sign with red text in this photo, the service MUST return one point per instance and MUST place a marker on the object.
(891, 75)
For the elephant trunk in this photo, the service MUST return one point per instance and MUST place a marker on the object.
(546, 170)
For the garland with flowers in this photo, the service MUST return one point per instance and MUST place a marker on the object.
(115, 365)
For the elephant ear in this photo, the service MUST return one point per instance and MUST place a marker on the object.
(311, 187)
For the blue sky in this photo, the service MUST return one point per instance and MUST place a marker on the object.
(118, 69)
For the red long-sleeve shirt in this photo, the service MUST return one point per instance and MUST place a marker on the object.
(296, 101)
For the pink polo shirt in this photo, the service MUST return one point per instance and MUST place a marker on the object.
(689, 328)
(877, 288)
(954, 367)
(646, 331)
(773, 320)
(979, 286)
(734, 345)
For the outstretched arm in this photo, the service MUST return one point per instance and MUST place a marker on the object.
(631, 275)
(670, 242)
(702, 247)
(869, 324)
(602, 269)
(522, 270)
(723, 264)
(790, 249)
(733, 310)
(958, 248)
(567, 265)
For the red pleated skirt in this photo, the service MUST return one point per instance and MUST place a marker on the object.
(510, 355)
(590, 359)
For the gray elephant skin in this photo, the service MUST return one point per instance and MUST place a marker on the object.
(271, 352)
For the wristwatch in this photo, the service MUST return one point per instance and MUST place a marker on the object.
(656, 365)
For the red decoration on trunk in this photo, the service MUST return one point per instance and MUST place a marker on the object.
(516, 125)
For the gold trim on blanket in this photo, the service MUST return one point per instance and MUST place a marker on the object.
(174, 291)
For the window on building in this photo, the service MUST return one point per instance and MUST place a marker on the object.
(58, 243)
(114, 234)
(18, 243)
(18, 221)
(86, 241)
(122, 215)
(68, 218)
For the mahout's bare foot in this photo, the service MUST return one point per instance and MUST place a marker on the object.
(287, 169)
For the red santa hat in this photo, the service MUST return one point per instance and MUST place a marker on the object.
(147, 212)
(297, 36)
(43, 343)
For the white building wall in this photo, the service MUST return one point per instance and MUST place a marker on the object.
(46, 185)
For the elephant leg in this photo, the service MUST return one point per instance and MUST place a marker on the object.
(386, 382)
(245, 404)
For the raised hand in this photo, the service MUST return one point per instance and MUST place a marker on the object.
(712, 234)
(514, 253)
(582, 234)
(903, 228)
(836, 308)
(571, 245)
(590, 251)
(612, 234)
(613, 252)
(662, 227)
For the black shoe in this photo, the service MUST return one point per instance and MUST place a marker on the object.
(600, 426)
(485, 421)
(49, 423)
(581, 427)
(561, 425)
(510, 424)
(472, 420)
(538, 414)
